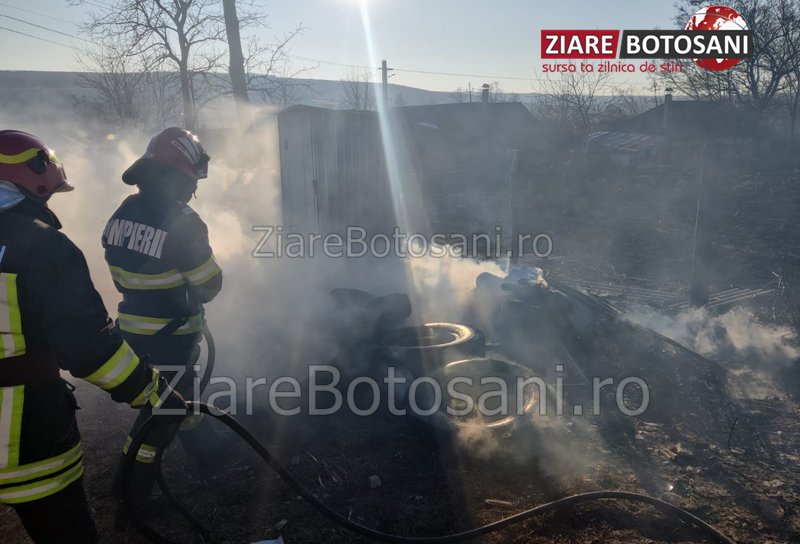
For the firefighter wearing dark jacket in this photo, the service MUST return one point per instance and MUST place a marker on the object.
(51, 318)
(158, 252)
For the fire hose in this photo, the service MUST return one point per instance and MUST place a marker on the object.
(211, 357)
(346, 523)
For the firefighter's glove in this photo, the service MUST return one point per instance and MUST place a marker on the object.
(160, 397)
(166, 401)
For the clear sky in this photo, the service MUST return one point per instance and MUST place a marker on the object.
(491, 38)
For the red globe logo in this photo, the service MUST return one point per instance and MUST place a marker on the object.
(719, 18)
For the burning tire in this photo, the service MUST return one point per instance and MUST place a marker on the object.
(428, 347)
(508, 371)
(495, 411)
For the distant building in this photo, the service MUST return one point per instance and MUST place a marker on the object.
(675, 132)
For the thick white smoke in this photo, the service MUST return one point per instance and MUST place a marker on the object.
(270, 316)
(736, 335)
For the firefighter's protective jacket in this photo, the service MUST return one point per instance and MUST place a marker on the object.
(161, 261)
(51, 318)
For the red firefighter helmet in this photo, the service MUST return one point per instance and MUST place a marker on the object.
(175, 148)
(27, 163)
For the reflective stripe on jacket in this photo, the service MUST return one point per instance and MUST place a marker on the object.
(161, 261)
(51, 318)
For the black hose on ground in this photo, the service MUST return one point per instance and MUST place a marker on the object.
(295, 485)
(182, 510)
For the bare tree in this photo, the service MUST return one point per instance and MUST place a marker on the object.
(624, 104)
(116, 79)
(188, 35)
(163, 97)
(188, 38)
(498, 95)
(793, 101)
(495, 92)
(129, 89)
(286, 88)
(270, 73)
(358, 91)
(572, 100)
(757, 80)
(459, 95)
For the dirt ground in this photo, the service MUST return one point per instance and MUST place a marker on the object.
(428, 486)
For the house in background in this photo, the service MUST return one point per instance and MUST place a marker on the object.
(675, 132)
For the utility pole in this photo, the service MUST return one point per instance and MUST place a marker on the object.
(236, 64)
(469, 87)
(385, 80)
(654, 86)
(701, 243)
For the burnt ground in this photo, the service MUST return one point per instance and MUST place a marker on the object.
(683, 449)
(430, 486)
(634, 227)
(721, 440)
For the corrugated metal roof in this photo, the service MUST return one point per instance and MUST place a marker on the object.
(626, 142)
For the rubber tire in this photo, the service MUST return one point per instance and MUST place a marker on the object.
(409, 348)
(481, 367)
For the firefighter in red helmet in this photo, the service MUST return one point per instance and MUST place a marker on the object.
(159, 255)
(51, 318)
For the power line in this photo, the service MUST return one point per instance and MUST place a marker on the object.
(483, 76)
(37, 13)
(298, 57)
(408, 70)
(332, 63)
(45, 28)
(320, 61)
(38, 38)
(103, 5)
(97, 4)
